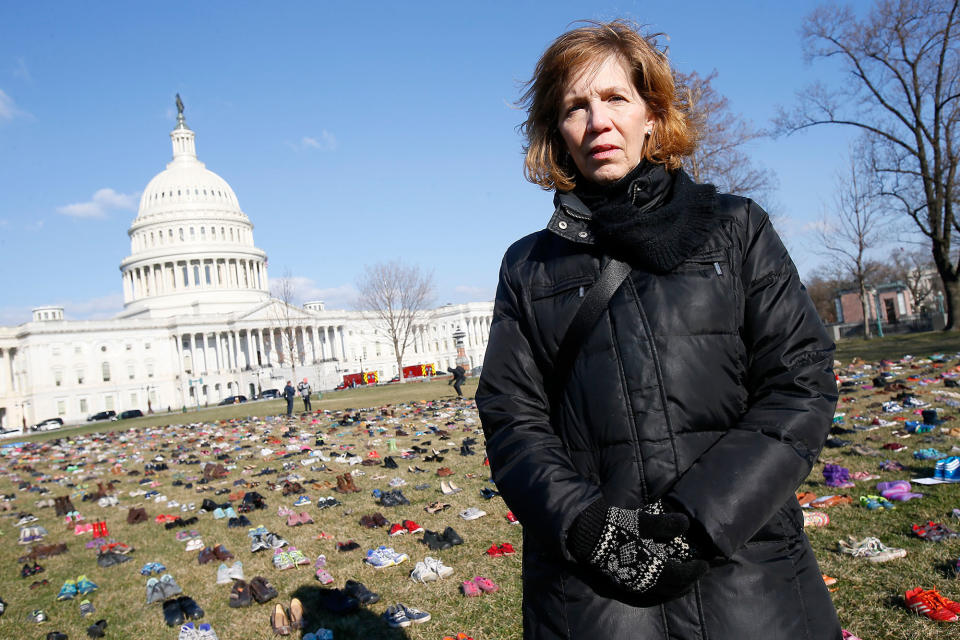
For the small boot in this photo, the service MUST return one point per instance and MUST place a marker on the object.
(350, 484)
(342, 485)
(103, 529)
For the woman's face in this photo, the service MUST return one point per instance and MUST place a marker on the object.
(604, 121)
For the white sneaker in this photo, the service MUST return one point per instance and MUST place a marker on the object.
(195, 545)
(423, 574)
(472, 513)
(236, 571)
(436, 565)
(223, 574)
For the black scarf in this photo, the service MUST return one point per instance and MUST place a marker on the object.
(651, 218)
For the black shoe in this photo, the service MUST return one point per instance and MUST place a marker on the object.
(389, 463)
(172, 613)
(243, 521)
(337, 601)
(452, 536)
(360, 592)
(208, 505)
(233, 523)
(435, 541)
(97, 629)
(190, 608)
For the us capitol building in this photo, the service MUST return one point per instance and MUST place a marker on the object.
(199, 323)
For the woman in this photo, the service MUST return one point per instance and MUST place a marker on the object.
(655, 474)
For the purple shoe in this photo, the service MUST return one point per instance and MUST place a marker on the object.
(897, 490)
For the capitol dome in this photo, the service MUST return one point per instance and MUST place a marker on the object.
(191, 246)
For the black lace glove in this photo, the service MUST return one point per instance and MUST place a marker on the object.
(643, 551)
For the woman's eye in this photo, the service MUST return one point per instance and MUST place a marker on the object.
(616, 98)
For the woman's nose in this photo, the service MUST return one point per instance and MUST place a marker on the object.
(598, 119)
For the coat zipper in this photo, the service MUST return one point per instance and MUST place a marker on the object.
(656, 366)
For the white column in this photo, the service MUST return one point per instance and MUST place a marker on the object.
(343, 341)
(313, 343)
(218, 349)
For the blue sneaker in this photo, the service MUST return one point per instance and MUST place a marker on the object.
(938, 469)
(396, 617)
(302, 500)
(68, 591)
(85, 585)
(379, 560)
(218, 514)
(229, 512)
(951, 468)
(413, 614)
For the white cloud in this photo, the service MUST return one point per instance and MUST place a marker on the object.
(474, 294)
(8, 109)
(103, 200)
(98, 308)
(306, 290)
(326, 142)
(20, 70)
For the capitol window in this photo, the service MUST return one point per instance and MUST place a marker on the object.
(83, 405)
(181, 233)
(80, 376)
(61, 407)
(130, 371)
(106, 371)
(57, 377)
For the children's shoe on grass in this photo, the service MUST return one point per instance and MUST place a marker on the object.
(85, 586)
(870, 549)
(929, 604)
(68, 591)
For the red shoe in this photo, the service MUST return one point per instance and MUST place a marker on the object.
(397, 530)
(412, 527)
(494, 551)
(103, 530)
(924, 603)
(512, 519)
(507, 549)
(947, 604)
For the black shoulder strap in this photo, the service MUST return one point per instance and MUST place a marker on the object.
(590, 310)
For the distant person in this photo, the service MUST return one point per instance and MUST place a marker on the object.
(657, 381)
(289, 393)
(304, 389)
(459, 377)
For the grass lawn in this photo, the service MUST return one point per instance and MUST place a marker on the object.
(868, 596)
(916, 344)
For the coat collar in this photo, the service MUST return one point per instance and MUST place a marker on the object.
(571, 219)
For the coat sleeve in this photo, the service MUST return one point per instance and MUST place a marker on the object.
(530, 465)
(735, 487)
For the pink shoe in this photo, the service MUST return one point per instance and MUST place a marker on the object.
(485, 584)
(324, 576)
(305, 518)
(321, 561)
(293, 520)
(469, 588)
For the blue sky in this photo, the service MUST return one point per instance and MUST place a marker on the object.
(351, 132)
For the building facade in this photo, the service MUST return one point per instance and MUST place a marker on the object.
(199, 323)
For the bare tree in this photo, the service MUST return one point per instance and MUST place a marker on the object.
(719, 157)
(903, 66)
(398, 295)
(913, 269)
(852, 227)
(286, 315)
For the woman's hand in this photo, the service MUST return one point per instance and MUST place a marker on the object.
(646, 552)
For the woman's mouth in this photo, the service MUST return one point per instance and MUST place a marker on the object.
(603, 151)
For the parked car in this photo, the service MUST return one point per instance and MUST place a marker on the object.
(269, 393)
(232, 400)
(50, 423)
(393, 379)
(129, 413)
(103, 415)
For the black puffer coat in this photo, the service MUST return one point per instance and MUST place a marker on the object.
(711, 386)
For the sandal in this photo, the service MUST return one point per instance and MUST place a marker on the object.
(262, 590)
(240, 595)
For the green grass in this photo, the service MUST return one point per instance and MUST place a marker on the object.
(868, 596)
(916, 344)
